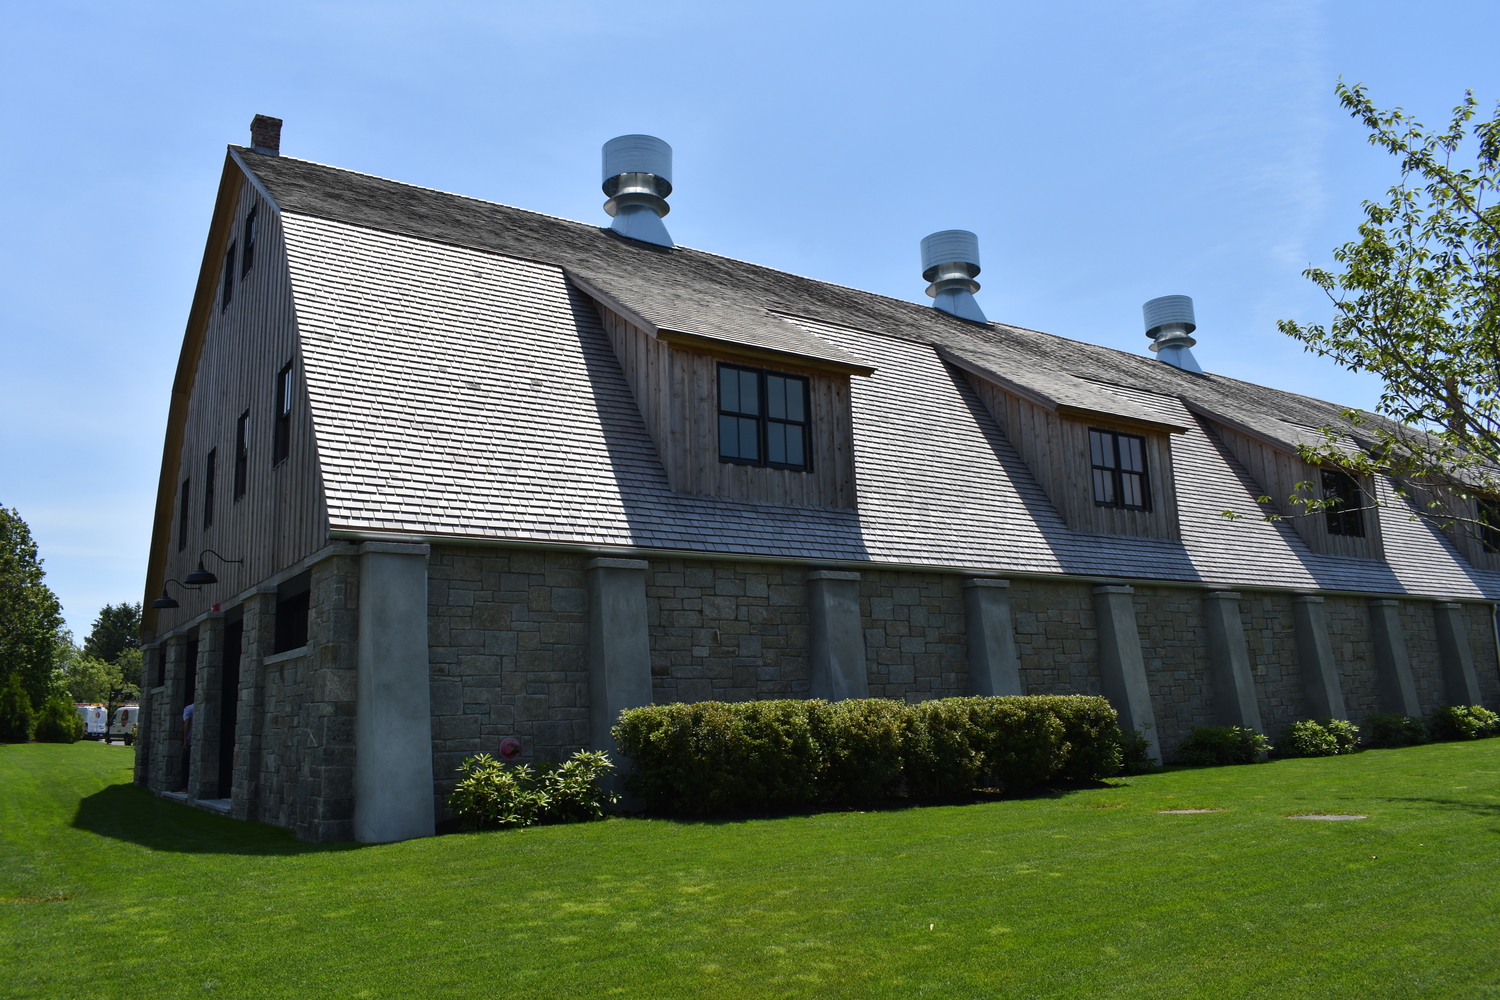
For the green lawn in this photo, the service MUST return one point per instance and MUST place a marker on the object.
(108, 892)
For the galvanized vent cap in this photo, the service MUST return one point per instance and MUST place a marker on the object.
(951, 246)
(1167, 309)
(639, 154)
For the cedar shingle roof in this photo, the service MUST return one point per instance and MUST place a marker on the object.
(462, 385)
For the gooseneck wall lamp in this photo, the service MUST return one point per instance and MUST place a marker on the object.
(201, 577)
(166, 600)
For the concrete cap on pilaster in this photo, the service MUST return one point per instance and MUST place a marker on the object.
(1221, 595)
(832, 574)
(1448, 605)
(1114, 588)
(1385, 602)
(986, 581)
(607, 563)
(1307, 599)
(394, 548)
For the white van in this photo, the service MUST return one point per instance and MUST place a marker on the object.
(95, 721)
(126, 718)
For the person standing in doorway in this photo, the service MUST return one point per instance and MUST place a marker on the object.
(187, 743)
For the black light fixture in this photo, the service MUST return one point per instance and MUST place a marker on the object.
(201, 577)
(166, 600)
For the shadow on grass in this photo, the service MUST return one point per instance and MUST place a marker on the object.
(1477, 808)
(130, 813)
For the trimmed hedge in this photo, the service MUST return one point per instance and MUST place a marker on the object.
(755, 756)
(1388, 730)
(1213, 746)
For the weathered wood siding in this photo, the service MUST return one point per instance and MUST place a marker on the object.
(677, 392)
(1279, 472)
(282, 517)
(1458, 518)
(1057, 451)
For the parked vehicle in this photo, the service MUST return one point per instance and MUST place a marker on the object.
(95, 721)
(123, 726)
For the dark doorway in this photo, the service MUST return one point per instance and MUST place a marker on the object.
(229, 703)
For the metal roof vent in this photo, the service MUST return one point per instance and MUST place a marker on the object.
(950, 260)
(1170, 324)
(637, 179)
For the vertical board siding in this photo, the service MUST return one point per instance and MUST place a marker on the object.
(282, 518)
(676, 390)
(1278, 472)
(1056, 450)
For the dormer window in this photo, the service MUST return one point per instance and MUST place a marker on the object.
(1119, 470)
(1344, 516)
(763, 418)
(1489, 524)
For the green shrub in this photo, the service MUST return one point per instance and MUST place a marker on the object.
(1344, 733)
(715, 757)
(17, 717)
(495, 795)
(1135, 752)
(1463, 722)
(1210, 746)
(58, 721)
(1388, 730)
(1318, 738)
(1095, 745)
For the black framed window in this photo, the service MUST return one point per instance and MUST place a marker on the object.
(1344, 517)
(209, 475)
(252, 230)
(226, 292)
(241, 455)
(291, 613)
(283, 443)
(1489, 524)
(182, 514)
(763, 418)
(1119, 470)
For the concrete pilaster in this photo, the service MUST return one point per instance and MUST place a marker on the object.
(837, 638)
(1229, 661)
(1322, 692)
(393, 715)
(1398, 692)
(994, 668)
(619, 648)
(1460, 681)
(1122, 667)
(203, 782)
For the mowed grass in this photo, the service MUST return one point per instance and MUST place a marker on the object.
(109, 892)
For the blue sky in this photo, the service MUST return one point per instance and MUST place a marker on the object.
(1105, 153)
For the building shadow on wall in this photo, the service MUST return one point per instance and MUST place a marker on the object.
(131, 813)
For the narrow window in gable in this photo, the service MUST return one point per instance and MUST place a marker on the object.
(182, 515)
(241, 455)
(1118, 464)
(226, 292)
(252, 230)
(763, 418)
(1344, 517)
(283, 443)
(1489, 523)
(209, 471)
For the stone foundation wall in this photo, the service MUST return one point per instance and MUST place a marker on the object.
(1174, 642)
(1056, 639)
(1482, 642)
(915, 644)
(1354, 652)
(1419, 626)
(1271, 635)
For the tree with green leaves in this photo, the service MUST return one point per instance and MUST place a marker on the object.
(1417, 302)
(117, 629)
(30, 616)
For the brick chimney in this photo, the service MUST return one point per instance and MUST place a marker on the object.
(265, 135)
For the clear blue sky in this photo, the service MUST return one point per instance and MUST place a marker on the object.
(1105, 153)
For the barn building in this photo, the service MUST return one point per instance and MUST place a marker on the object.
(441, 472)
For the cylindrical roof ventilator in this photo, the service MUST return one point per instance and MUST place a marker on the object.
(950, 260)
(637, 179)
(1170, 324)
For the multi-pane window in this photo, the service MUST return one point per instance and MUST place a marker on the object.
(763, 418)
(282, 446)
(226, 291)
(1119, 470)
(1489, 523)
(241, 455)
(1344, 516)
(209, 470)
(182, 515)
(252, 230)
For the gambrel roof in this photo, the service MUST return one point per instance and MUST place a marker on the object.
(462, 386)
